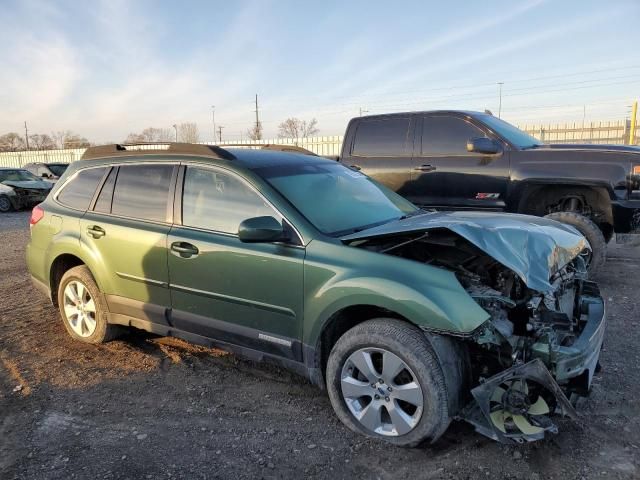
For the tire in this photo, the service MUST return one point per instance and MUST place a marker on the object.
(5, 204)
(379, 338)
(591, 232)
(91, 325)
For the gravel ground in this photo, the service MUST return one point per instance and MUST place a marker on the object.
(151, 407)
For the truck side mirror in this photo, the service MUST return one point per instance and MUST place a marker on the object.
(484, 145)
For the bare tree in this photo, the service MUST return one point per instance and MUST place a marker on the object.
(11, 142)
(295, 128)
(188, 133)
(58, 138)
(255, 132)
(40, 141)
(73, 140)
(151, 134)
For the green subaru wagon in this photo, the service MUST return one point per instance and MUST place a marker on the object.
(408, 318)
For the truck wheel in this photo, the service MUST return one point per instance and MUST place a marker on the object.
(385, 381)
(591, 232)
(82, 307)
(5, 204)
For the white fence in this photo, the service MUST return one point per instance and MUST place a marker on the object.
(19, 159)
(319, 145)
(593, 132)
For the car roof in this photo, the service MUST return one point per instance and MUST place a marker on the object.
(12, 168)
(469, 113)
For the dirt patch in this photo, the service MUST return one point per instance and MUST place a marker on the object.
(150, 407)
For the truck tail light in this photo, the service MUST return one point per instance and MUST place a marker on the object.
(636, 169)
(36, 215)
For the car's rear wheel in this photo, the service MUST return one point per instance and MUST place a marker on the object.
(5, 204)
(82, 307)
(384, 381)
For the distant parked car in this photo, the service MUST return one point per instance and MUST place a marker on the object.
(408, 318)
(20, 188)
(49, 171)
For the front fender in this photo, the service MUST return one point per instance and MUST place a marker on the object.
(431, 298)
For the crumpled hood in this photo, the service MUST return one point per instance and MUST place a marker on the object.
(534, 248)
(36, 184)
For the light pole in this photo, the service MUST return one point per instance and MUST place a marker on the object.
(213, 117)
(500, 98)
(176, 129)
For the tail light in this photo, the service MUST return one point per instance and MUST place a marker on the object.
(636, 169)
(36, 215)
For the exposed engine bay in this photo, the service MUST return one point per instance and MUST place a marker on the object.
(538, 350)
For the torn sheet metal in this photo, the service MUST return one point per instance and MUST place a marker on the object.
(534, 248)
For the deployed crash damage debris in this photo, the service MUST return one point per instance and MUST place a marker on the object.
(540, 346)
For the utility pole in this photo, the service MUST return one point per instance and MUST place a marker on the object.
(26, 134)
(500, 98)
(632, 127)
(213, 117)
(220, 127)
(258, 133)
(363, 111)
(176, 129)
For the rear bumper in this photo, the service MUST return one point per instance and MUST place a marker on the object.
(41, 286)
(581, 358)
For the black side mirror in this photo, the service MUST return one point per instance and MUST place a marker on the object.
(261, 230)
(45, 175)
(483, 145)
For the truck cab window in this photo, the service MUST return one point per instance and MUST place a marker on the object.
(443, 135)
(382, 137)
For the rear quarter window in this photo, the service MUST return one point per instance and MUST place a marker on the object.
(384, 137)
(78, 192)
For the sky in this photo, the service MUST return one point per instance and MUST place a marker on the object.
(105, 69)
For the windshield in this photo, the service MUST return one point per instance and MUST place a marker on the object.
(57, 170)
(335, 199)
(513, 134)
(17, 176)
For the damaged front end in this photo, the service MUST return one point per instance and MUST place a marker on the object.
(539, 349)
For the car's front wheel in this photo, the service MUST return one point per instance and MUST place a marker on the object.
(384, 381)
(5, 204)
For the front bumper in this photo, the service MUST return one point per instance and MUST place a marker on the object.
(580, 359)
(626, 216)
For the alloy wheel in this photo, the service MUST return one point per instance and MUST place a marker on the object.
(381, 392)
(5, 204)
(79, 309)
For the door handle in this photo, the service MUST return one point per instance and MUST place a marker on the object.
(184, 249)
(425, 168)
(95, 231)
(355, 167)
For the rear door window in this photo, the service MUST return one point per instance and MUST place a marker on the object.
(385, 137)
(78, 192)
(443, 135)
(142, 191)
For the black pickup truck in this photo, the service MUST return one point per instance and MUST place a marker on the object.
(473, 160)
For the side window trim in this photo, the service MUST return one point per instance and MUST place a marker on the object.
(297, 242)
(98, 191)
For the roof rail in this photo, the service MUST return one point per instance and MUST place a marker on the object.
(274, 146)
(160, 148)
